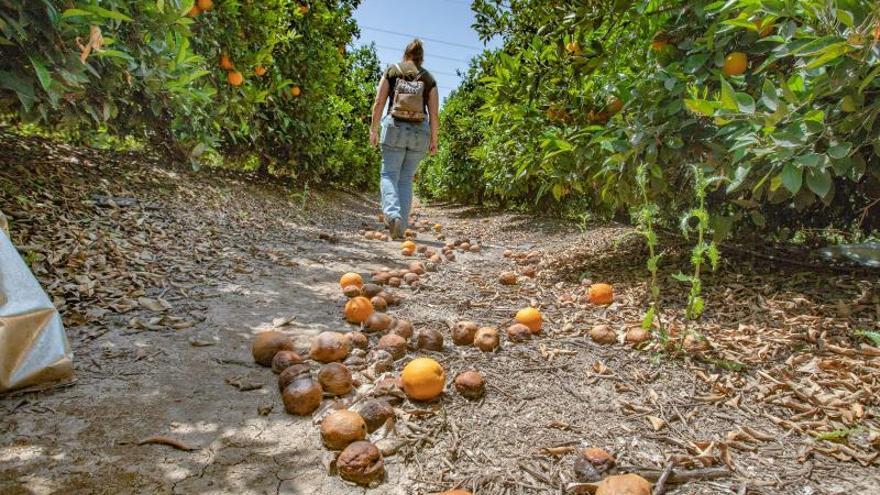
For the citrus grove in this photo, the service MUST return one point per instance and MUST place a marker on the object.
(775, 100)
(543, 364)
(266, 86)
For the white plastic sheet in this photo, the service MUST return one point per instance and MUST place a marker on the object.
(33, 346)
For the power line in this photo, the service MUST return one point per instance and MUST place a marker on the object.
(397, 49)
(432, 40)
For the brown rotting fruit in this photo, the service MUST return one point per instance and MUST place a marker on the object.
(341, 428)
(518, 332)
(351, 291)
(361, 462)
(328, 347)
(624, 484)
(284, 360)
(464, 332)
(394, 344)
(404, 328)
(292, 373)
(429, 339)
(357, 340)
(603, 334)
(507, 278)
(378, 322)
(302, 396)
(376, 412)
(470, 384)
(486, 339)
(335, 379)
(267, 344)
(371, 290)
(637, 335)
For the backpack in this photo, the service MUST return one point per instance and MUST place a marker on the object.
(408, 102)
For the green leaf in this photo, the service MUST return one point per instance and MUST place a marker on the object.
(728, 96)
(792, 177)
(743, 23)
(76, 13)
(819, 181)
(815, 115)
(845, 17)
(42, 74)
(681, 277)
(22, 86)
(700, 107)
(874, 337)
(648, 319)
(746, 103)
(839, 151)
(830, 53)
(108, 14)
(769, 95)
(870, 77)
(115, 54)
(810, 160)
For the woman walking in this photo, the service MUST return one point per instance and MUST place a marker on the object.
(406, 132)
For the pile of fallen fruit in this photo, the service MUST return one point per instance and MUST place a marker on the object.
(361, 364)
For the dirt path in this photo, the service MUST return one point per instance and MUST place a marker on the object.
(231, 259)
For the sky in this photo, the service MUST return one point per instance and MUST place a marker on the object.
(443, 25)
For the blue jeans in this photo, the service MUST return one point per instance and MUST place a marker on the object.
(404, 144)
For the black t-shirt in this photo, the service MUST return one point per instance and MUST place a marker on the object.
(409, 71)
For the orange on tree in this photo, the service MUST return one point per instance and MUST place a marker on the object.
(573, 48)
(358, 309)
(194, 11)
(235, 78)
(259, 70)
(295, 91)
(205, 5)
(351, 278)
(303, 9)
(531, 318)
(423, 379)
(764, 30)
(735, 64)
(615, 105)
(226, 62)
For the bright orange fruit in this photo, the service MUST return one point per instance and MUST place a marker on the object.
(736, 64)
(531, 318)
(423, 379)
(226, 62)
(235, 78)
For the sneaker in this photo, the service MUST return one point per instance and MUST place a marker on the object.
(396, 229)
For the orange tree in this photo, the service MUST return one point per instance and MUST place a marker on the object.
(774, 100)
(262, 84)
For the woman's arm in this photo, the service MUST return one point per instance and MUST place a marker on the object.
(378, 108)
(434, 114)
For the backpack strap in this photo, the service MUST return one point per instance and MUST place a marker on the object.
(403, 75)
